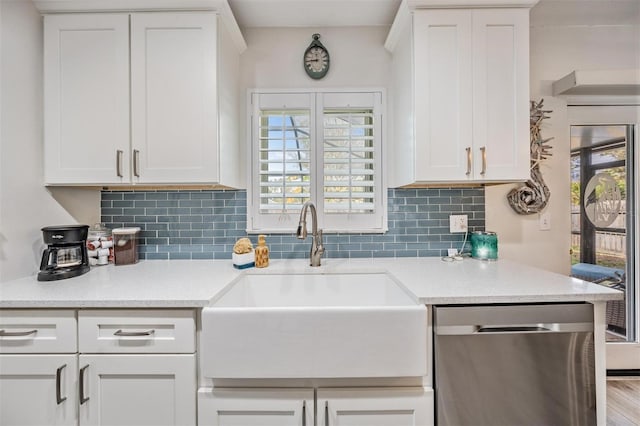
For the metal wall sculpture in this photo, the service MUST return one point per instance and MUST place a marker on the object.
(533, 196)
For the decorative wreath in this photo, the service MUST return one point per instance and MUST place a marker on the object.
(533, 196)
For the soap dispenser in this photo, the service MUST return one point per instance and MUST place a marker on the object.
(262, 253)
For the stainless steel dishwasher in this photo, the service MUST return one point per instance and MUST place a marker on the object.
(511, 365)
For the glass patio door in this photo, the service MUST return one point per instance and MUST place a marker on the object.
(604, 223)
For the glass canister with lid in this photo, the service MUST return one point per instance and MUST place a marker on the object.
(100, 245)
(126, 245)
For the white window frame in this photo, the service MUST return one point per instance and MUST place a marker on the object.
(316, 101)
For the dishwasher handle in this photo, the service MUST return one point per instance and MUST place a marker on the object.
(461, 330)
(512, 329)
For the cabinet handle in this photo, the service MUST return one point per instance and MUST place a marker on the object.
(83, 399)
(136, 163)
(468, 161)
(119, 154)
(5, 333)
(304, 413)
(59, 399)
(133, 333)
(483, 150)
(326, 413)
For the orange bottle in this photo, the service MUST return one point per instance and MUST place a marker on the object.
(262, 253)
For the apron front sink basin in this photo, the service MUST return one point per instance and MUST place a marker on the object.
(314, 325)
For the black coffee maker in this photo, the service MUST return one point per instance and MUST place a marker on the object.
(66, 254)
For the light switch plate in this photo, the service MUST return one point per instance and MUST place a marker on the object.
(545, 221)
(458, 223)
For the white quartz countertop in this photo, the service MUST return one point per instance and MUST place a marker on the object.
(194, 283)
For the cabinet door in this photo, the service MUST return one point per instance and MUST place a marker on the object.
(375, 407)
(501, 94)
(38, 390)
(442, 99)
(137, 390)
(86, 91)
(259, 407)
(173, 98)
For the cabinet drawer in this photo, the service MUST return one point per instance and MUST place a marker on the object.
(136, 331)
(41, 331)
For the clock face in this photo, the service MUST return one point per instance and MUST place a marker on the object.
(316, 59)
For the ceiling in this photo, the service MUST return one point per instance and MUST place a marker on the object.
(344, 13)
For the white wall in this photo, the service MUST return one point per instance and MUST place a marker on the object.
(25, 204)
(273, 58)
(565, 35)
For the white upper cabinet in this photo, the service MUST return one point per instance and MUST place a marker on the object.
(86, 111)
(501, 94)
(461, 95)
(443, 93)
(173, 97)
(141, 98)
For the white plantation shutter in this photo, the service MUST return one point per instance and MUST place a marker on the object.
(285, 160)
(349, 160)
(324, 147)
(281, 159)
(350, 196)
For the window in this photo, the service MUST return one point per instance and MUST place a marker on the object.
(324, 147)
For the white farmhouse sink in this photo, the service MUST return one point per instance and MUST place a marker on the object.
(314, 325)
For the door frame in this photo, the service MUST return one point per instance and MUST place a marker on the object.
(620, 355)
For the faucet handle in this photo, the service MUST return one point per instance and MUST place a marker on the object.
(319, 244)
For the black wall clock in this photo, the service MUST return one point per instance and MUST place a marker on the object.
(316, 59)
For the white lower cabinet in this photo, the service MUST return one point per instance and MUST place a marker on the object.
(137, 367)
(375, 406)
(380, 406)
(139, 390)
(131, 367)
(38, 367)
(38, 390)
(255, 406)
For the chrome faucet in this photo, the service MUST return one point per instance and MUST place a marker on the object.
(316, 245)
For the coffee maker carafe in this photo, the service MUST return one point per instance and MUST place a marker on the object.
(66, 252)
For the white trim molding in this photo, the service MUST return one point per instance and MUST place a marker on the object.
(79, 6)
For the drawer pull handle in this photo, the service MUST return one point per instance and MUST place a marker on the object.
(304, 413)
(133, 333)
(59, 398)
(468, 149)
(83, 399)
(326, 413)
(5, 333)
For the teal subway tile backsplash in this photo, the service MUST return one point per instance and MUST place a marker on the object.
(205, 224)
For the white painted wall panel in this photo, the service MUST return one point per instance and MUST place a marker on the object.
(25, 204)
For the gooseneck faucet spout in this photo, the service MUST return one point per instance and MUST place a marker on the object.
(317, 249)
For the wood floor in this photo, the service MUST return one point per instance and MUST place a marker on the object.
(623, 401)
